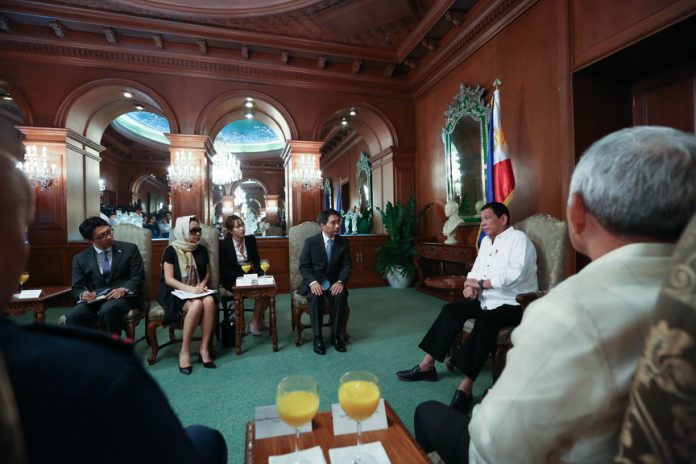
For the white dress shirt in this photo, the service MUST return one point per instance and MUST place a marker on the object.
(564, 390)
(509, 263)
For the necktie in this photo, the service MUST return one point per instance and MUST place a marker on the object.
(106, 265)
(329, 248)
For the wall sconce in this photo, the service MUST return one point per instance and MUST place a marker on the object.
(306, 174)
(184, 172)
(36, 167)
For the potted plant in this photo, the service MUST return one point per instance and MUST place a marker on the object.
(395, 258)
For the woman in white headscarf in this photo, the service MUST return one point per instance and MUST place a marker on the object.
(186, 266)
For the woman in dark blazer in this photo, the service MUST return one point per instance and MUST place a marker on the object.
(236, 248)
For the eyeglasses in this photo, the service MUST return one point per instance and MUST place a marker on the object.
(195, 230)
(103, 235)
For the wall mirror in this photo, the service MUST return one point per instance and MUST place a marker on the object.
(466, 148)
(363, 181)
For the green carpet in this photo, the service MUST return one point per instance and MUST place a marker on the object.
(385, 328)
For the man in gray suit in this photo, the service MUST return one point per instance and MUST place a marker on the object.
(106, 279)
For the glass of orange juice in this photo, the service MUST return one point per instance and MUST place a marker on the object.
(265, 264)
(246, 266)
(23, 277)
(358, 395)
(297, 402)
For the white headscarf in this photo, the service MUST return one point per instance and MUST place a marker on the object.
(184, 250)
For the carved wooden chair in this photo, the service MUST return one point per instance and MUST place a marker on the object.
(298, 303)
(550, 238)
(155, 317)
(142, 238)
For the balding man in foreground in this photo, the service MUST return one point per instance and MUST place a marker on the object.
(564, 389)
(83, 397)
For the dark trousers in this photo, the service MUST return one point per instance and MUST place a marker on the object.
(209, 444)
(472, 354)
(440, 428)
(109, 314)
(316, 311)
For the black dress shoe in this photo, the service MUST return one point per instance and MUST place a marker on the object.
(207, 365)
(338, 343)
(319, 346)
(186, 370)
(415, 374)
(461, 402)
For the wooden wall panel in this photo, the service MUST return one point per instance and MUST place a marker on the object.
(530, 57)
(667, 100)
(601, 27)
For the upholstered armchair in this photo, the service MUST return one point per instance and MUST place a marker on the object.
(142, 238)
(550, 238)
(659, 425)
(155, 317)
(298, 303)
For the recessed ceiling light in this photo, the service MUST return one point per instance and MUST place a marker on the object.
(7, 97)
(139, 107)
(127, 94)
(344, 123)
(249, 99)
(249, 104)
(353, 112)
(249, 115)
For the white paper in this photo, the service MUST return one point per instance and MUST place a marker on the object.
(24, 294)
(312, 455)
(342, 424)
(182, 295)
(374, 449)
(269, 424)
(266, 280)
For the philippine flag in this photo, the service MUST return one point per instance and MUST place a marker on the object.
(503, 177)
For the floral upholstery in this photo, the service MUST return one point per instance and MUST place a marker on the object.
(210, 239)
(660, 421)
(298, 303)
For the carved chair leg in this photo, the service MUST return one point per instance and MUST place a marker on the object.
(151, 333)
(297, 313)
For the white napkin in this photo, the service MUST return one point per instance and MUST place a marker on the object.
(375, 449)
(313, 455)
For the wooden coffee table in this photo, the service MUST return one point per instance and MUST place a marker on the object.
(396, 439)
(48, 296)
(253, 291)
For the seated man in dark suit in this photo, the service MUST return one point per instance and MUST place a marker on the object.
(106, 279)
(325, 265)
(81, 396)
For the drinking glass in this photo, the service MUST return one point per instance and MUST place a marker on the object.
(265, 265)
(246, 266)
(23, 277)
(359, 396)
(297, 401)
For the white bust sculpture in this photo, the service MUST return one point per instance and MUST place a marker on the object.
(356, 216)
(453, 220)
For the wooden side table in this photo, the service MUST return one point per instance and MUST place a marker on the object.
(38, 305)
(454, 284)
(253, 291)
(396, 439)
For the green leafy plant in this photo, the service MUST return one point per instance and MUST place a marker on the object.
(400, 220)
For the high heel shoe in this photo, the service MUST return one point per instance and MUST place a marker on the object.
(186, 370)
(207, 365)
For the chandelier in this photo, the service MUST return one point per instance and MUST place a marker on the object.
(307, 174)
(184, 172)
(226, 169)
(36, 167)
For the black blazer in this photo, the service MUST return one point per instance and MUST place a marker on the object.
(229, 267)
(314, 265)
(127, 271)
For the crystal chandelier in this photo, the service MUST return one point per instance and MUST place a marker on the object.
(184, 172)
(36, 167)
(226, 169)
(307, 174)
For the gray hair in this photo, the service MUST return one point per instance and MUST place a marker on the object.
(640, 181)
